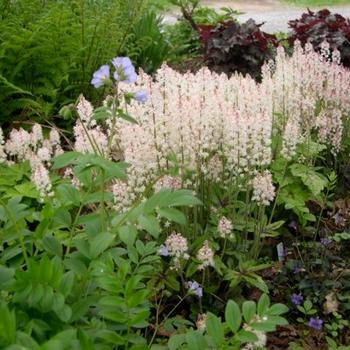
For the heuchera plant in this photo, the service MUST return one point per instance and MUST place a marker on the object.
(234, 47)
(317, 27)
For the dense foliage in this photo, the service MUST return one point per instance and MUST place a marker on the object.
(224, 44)
(233, 47)
(185, 35)
(49, 50)
(323, 26)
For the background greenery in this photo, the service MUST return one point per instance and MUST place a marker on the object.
(49, 50)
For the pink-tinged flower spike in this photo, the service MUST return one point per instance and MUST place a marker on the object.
(2, 148)
(101, 76)
(225, 227)
(206, 256)
(177, 246)
(40, 178)
(168, 182)
(263, 188)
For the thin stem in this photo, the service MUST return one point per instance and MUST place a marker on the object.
(157, 322)
(277, 195)
(20, 235)
(72, 230)
(102, 201)
(321, 213)
(174, 308)
(224, 248)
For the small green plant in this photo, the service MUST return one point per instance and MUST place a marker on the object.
(247, 324)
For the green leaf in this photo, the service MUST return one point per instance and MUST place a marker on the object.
(27, 189)
(85, 341)
(127, 234)
(64, 314)
(110, 336)
(192, 268)
(233, 316)
(278, 309)
(114, 315)
(215, 329)
(52, 245)
(176, 341)
(183, 198)
(246, 337)
(137, 298)
(263, 304)
(126, 116)
(258, 282)
(248, 310)
(277, 320)
(100, 243)
(76, 265)
(6, 275)
(311, 179)
(264, 326)
(62, 217)
(65, 159)
(7, 325)
(173, 214)
(195, 340)
(150, 224)
(140, 319)
(68, 194)
(67, 283)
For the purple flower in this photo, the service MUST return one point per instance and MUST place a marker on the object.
(194, 286)
(124, 70)
(297, 299)
(297, 269)
(163, 251)
(141, 96)
(100, 76)
(316, 323)
(325, 241)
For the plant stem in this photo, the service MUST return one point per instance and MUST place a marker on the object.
(20, 235)
(157, 322)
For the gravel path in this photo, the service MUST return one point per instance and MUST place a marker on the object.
(272, 12)
(277, 20)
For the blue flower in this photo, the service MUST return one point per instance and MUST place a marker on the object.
(297, 299)
(194, 286)
(316, 323)
(163, 250)
(124, 70)
(325, 241)
(122, 62)
(141, 96)
(100, 76)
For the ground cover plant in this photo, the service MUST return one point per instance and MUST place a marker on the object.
(186, 211)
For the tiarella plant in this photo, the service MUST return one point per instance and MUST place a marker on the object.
(161, 214)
